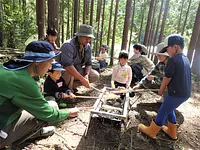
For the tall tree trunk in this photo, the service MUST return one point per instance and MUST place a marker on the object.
(53, 17)
(62, 20)
(102, 23)
(151, 35)
(149, 21)
(157, 28)
(183, 29)
(195, 34)
(40, 14)
(91, 12)
(132, 25)
(141, 24)
(110, 21)
(75, 15)
(68, 21)
(98, 26)
(196, 61)
(84, 11)
(114, 31)
(1, 25)
(179, 21)
(126, 24)
(163, 21)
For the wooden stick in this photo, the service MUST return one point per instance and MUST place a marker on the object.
(96, 89)
(131, 90)
(87, 97)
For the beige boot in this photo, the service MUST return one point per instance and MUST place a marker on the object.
(151, 131)
(170, 130)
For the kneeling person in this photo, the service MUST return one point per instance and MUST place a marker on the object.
(55, 87)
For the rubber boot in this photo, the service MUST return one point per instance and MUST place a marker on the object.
(151, 131)
(170, 130)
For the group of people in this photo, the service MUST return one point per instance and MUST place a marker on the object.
(26, 111)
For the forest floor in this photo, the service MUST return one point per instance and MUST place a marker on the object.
(104, 134)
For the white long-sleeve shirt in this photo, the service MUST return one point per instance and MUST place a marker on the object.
(122, 74)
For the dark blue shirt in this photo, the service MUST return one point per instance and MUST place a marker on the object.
(178, 69)
(71, 56)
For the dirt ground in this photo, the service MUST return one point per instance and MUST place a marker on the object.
(105, 134)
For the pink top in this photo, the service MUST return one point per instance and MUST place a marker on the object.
(122, 74)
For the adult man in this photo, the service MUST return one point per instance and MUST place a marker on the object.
(76, 59)
(23, 108)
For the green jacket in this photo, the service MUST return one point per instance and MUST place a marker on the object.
(19, 91)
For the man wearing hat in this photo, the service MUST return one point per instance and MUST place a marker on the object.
(19, 91)
(76, 59)
(177, 79)
(154, 79)
(140, 64)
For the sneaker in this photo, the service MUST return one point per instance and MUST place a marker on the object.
(44, 132)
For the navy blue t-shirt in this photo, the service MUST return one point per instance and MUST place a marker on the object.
(178, 68)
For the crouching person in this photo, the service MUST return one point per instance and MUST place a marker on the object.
(178, 81)
(55, 88)
(23, 109)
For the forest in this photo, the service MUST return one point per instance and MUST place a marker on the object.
(119, 24)
(115, 22)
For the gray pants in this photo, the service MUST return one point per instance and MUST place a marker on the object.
(23, 128)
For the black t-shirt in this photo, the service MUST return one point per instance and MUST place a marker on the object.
(51, 87)
(178, 68)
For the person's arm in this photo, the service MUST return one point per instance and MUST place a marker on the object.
(129, 77)
(72, 70)
(113, 77)
(164, 84)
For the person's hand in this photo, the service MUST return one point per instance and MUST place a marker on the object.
(65, 95)
(72, 96)
(150, 77)
(136, 87)
(160, 92)
(85, 83)
(73, 112)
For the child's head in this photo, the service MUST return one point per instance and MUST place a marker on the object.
(161, 52)
(140, 49)
(104, 48)
(56, 70)
(174, 44)
(123, 57)
(52, 35)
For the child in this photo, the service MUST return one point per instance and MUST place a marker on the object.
(103, 57)
(178, 81)
(140, 64)
(55, 87)
(154, 79)
(122, 73)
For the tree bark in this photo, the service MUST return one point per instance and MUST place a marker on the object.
(141, 24)
(53, 17)
(109, 26)
(183, 29)
(126, 24)
(196, 61)
(1, 25)
(132, 25)
(102, 23)
(179, 22)
(75, 15)
(195, 34)
(114, 31)
(149, 21)
(163, 21)
(91, 12)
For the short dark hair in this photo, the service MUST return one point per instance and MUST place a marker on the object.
(52, 32)
(138, 47)
(123, 54)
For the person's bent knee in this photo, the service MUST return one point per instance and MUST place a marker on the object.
(53, 104)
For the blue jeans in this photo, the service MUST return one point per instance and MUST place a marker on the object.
(166, 110)
(103, 64)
